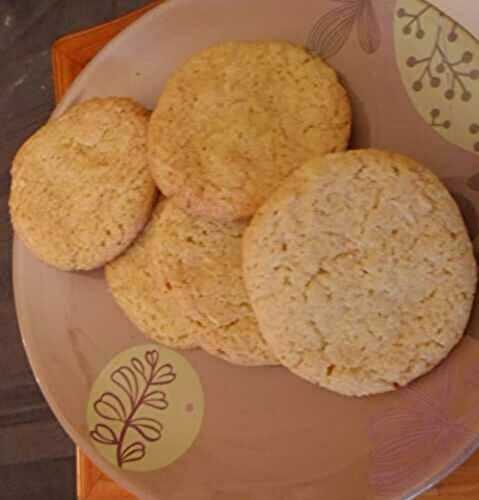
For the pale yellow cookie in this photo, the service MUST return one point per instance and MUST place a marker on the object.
(81, 187)
(139, 286)
(201, 260)
(237, 118)
(360, 271)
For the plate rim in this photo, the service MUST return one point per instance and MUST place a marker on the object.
(69, 99)
(65, 102)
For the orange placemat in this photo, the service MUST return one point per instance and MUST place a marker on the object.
(70, 55)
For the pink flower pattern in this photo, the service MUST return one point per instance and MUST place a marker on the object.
(331, 32)
(409, 436)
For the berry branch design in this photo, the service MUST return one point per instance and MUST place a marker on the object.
(415, 20)
(331, 32)
(435, 116)
(137, 384)
(438, 64)
(440, 67)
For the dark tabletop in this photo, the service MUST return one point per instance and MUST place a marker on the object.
(36, 457)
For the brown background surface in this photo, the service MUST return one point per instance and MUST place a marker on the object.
(29, 431)
(37, 460)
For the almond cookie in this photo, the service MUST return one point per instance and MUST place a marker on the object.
(139, 286)
(360, 271)
(237, 118)
(81, 188)
(202, 263)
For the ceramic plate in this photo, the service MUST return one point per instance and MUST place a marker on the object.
(208, 430)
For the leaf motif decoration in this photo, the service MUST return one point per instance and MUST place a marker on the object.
(139, 367)
(152, 357)
(136, 381)
(165, 374)
(369, 30)
(425, 400)
(393, 462)
(104, 435)
(133, 453)
(125, 378)
(331, 32)
(148, 428)
(110, 407)
(156, 399)
(398, 457)
(407, 435)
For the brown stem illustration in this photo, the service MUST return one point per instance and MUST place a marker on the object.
(451, 76)
(333, 29)
(110, 407)
(435, 115)
(129, 418)
(415, 19)
(438, 64)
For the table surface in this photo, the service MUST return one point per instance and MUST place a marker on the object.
(36, 457)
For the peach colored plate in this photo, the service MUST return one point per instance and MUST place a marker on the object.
(265, 434)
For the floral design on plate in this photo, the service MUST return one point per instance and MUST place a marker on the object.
(415, 431)
(439, 64)
(145, 408)
(139, 382)
(331, 32)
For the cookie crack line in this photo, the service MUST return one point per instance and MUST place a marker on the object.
(351, 315)
(245, 127)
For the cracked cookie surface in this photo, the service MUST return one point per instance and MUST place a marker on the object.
(81, 187)
(360, 271)
(138, 284)
(202, 264)
(237, 118)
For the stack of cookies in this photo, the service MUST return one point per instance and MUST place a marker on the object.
(269, 244)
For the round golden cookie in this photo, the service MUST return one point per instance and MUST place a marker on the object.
(201, 259)
(81, 186)
(138, 285)
(360, 271)
(236, 119)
